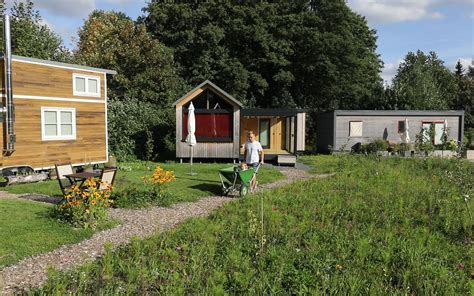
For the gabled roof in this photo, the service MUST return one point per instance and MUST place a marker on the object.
(208, 83)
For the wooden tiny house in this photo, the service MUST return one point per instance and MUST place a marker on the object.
(222, 125)
(280, 131)
(60, 114)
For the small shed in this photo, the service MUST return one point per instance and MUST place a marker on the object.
(347, 128)
(217, 123)
(222, 125)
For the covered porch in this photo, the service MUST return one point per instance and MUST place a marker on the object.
(280, 131)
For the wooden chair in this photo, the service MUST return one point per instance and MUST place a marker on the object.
(107, 177)
(64, 182)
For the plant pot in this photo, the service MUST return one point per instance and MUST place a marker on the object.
(443, 153)
(470, 154)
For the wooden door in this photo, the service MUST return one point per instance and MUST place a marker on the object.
(276, 131)
(248, 124)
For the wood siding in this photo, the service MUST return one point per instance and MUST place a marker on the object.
(386, 127)
(89, 145)
(48, 81)
(301, 132)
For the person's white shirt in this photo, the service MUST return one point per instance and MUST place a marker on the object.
(253, 152)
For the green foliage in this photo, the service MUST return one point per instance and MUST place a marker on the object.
(144, 88)
(150, 192)
(129, 121)
(85, 207)
(422, 82)
(31, 37)
(424, 140)
(380, 226)
(136, 195)
(465, 96)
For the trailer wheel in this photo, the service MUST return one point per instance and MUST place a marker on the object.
(243, 190)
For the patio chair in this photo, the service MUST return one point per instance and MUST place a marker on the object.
(107, 178)
(64, 182)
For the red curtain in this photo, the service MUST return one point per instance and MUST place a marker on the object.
(210, 125)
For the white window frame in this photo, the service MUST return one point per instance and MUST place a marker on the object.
(58, 137)
(351, 129)
(87, 78)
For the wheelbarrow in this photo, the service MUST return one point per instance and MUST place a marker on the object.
(234, 179)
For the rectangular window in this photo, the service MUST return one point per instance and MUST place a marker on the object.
(355, 129)
(211, 127)
(85, 85)
(264, 133)
(401, 126)
(58, 123)
(438, 132)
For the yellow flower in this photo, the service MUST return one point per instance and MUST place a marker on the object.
(338, 267)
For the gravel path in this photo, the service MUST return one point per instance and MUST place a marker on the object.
(32, 272)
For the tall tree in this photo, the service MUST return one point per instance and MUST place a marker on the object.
(145, 86)
(31, 37)
(145, 66)
(268, 54)
(465, 95)
(423, 82)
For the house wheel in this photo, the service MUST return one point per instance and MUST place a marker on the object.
(243, 190)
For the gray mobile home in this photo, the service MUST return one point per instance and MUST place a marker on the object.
(347, 128)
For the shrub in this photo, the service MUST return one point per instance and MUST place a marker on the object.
(380, 145)
(85, 207)
(150, 192)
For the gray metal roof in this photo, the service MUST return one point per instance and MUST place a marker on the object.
(271, 112)
(399, 112)
(53, 63)
(208, 82)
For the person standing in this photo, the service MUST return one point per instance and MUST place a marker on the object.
(253, 151)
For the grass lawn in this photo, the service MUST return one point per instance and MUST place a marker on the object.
(26, 229)
(184, 188)
(379, 226)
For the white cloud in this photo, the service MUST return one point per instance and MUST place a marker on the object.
(465, 62)
(70, 8)
(389, 70)
(386, 11)
(394, 10)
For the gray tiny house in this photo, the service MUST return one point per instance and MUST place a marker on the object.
(343, 129)
(222, 124)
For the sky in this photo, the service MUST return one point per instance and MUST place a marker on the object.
(443, 26)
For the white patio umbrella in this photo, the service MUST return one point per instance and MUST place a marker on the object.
(406, 133)
(191, 138)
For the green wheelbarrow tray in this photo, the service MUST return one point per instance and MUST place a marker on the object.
(239, 180)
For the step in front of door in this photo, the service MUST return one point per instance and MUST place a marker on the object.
(286, 159)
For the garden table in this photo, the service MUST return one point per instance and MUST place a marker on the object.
(82, 177)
